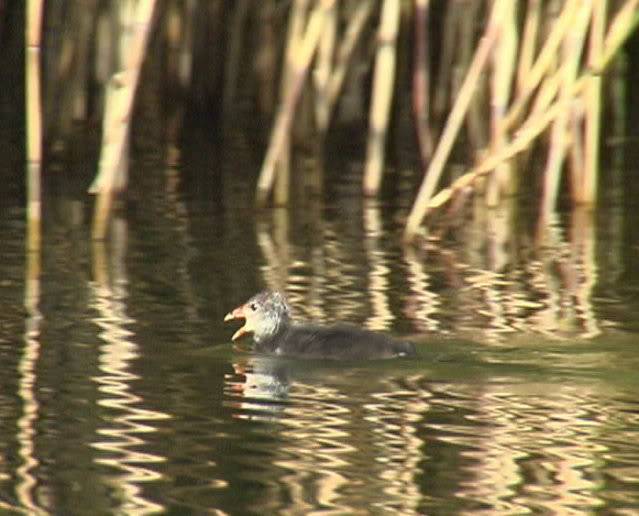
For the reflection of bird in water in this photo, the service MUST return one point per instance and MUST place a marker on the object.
(267, 316)
(261, 379)
(258, 389)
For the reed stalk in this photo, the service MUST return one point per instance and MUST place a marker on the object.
(295, 34)
(503, 73)
(476, 127)
(383, 81)
(548, 89)
(546, 57)
(588, 191)
(420, 82)
(116, 124)
(324, 67)
(528, 43)
(522, 139)
(620, 29)
(454, 121)
(33, 107)
(444, 73)
(351, 36)
(573, 46)
(576, 148)
(284, 116)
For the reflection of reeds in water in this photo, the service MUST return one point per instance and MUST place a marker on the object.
(318, 282)
(27, 371)
(379, 285)
(395, 414)
(322, 439)
(313, 456)
(550, 291)
(552, 438)
(499, 281)
(422, 305)
(128, 422)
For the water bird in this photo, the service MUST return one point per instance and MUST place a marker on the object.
(267, 316)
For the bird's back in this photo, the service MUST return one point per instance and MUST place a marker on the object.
(336, 342)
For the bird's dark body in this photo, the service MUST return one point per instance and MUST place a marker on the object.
(339, 342)
(267, 316)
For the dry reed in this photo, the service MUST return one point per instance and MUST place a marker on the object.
(383, 81)
(588, 191)
(420, 82)
(454, 122)
(294, 40)
(284, 117)
(619, 30)
(352, 35)
(573, 45)
(503, 73)
(116, 124)
(33, 123)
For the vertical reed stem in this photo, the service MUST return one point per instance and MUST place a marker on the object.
(294, 38)
(324, 66)
(593, 106)
(383, 81)
(454, 121)
(349, 41)
(284, 114)
(117, 117)
(528, 43)
(576, 148)
(573, 46)
(420, 81)
(33, 123)
(503, 72)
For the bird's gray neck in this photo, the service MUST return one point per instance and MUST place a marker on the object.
(271, 328)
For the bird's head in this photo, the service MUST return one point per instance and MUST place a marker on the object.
(265, 314)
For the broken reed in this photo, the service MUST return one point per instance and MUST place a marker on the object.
(120, 92)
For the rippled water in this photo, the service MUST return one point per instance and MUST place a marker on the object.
(120, 390)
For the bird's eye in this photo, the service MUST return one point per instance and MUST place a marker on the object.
(253, 307)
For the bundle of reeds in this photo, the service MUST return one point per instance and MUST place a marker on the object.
(531, 87)
(536, 64)
(565, 94)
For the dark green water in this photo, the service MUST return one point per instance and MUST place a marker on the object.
(121, 393)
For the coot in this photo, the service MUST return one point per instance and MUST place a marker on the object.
(268, 317)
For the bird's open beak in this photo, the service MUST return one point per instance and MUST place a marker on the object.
(239, 313)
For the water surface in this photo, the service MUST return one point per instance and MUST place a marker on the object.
(120, 390)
